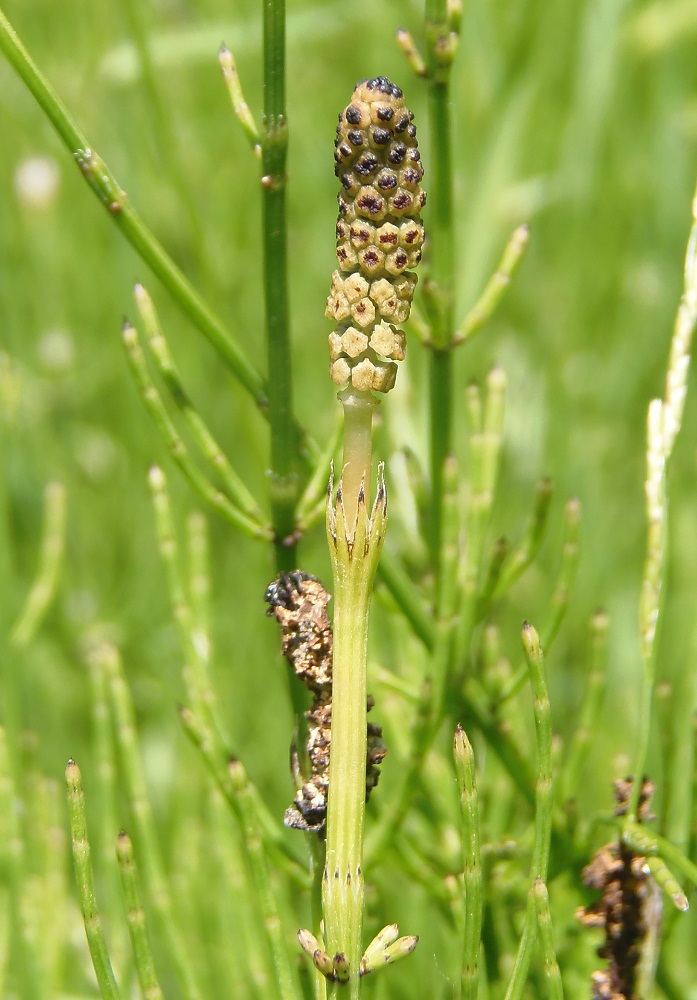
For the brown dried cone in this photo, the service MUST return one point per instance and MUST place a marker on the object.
(379, 235)
(629, 908)
(298, 601)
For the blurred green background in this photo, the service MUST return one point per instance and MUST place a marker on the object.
(577, 117)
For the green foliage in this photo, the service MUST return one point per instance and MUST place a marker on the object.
(577, 119)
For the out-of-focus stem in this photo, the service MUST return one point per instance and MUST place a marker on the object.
(85, 882)
(50, 559)
(664, 422)
(440, 48)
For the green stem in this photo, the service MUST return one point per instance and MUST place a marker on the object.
(206, 442)
(471, 859)
(135, 916)
(442, 262)
(130, 758)
(544, 923)
(543, 807)
(664, 423)
(175, 443)
(355, 548)
(50, 560)
(344, 878)
(441, 198)
(85, 882)
(283, 488)
(407, 598)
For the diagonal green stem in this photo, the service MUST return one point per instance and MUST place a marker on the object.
(127, 220)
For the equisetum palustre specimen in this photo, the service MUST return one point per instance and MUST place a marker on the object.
(379, 236)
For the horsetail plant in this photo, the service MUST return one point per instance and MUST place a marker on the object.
(379, 238)
(379, 242)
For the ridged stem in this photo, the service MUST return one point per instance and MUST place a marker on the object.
(442, 253)
(135, 916)
(471, 863)
(543, 807)
(130, 758)
(283, 480)
(354, 546)
(85, 882)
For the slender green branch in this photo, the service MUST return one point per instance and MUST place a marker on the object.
(410, 52)
(485, 442)
(567, 573)
(664, 422)
(495, 288)
(216, 759)
(544, 923)
(529, 546)
(85, 883)
(286, 976)
(447, 595)
(104, 767)
(135, 917)
(431, 702)
(681, 759)
(121, 705)
(194, 641)
(175, 443)
(211, 450)
(663, 877)
(471, 860)
(543, 733)
(543, 807)
(21, 936)
(407, 598)
(589, 711)
(239, 104)
(247, 968)
(560, 598)
(198, 553)
(471, 704)
(238, 791)
(643, 841)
